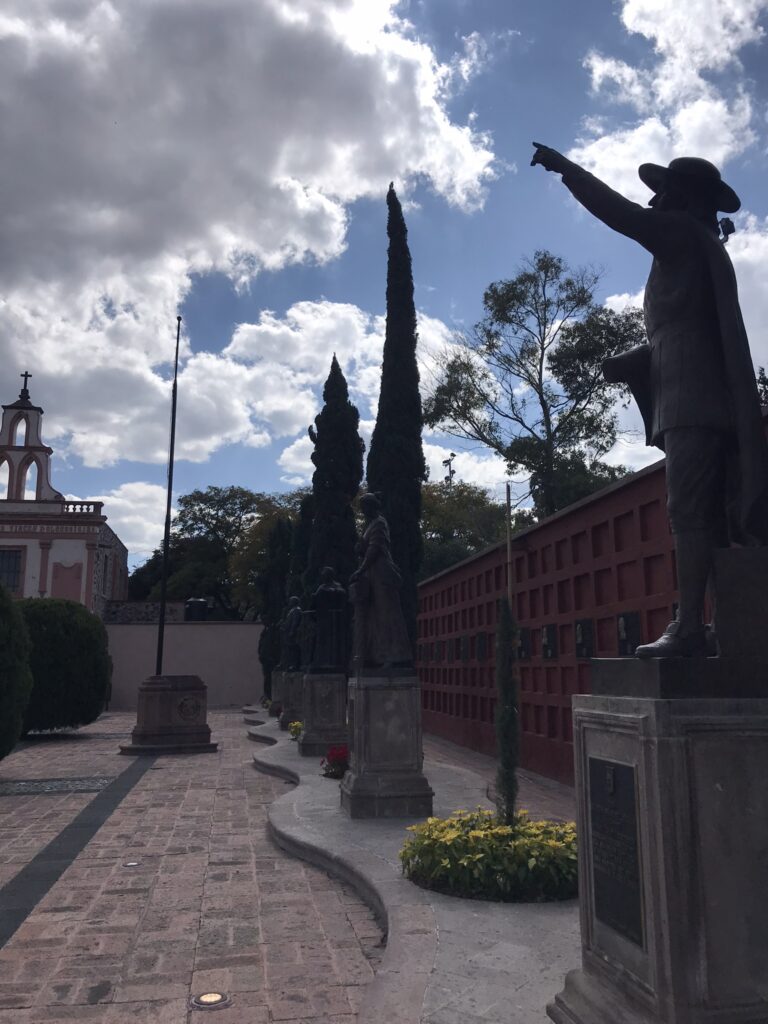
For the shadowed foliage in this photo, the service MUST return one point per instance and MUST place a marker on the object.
(15, 675)
(338, 461)
(507, 715)
(396, 467)
(70, 662)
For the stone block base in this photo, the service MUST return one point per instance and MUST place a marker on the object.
(386, 795)
(385, 779)
(276, 707)
(171, 717)
(324, 703)
(673, 833)
(292, 698)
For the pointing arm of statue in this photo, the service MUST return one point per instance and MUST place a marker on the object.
(650, 228)
(550, 159)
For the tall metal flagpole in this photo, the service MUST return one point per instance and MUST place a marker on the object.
(167, 533)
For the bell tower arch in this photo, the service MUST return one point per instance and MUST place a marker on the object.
(22, 448)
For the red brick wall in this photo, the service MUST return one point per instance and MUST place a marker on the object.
(606, 563)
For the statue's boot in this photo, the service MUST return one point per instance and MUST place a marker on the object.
(673, 644)
(687, 637)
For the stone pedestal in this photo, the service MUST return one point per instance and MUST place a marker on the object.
(277, 693)
(673, 848)
(292, 698)
(385, 779)
(324, 703)
(171, 717)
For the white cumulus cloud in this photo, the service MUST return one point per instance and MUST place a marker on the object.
(145, 141)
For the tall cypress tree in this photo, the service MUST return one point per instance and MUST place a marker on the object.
(273, 584)
(338, 461)
(507, 714)
(396, 467)
(302, 533)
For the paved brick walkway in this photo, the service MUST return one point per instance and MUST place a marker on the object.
(211, 903)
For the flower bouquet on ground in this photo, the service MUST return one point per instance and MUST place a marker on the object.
(294, 728)
(336, 762)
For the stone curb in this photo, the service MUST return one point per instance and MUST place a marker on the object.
(396, 994)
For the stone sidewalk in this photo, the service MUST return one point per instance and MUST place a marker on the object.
(166, 889)
(447, 960)
(128, 885)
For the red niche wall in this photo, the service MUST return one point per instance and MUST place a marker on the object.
(594, 580)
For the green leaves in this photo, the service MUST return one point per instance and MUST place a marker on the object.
(15, 675)
(70, 663)
(528, 383)
(474, 854)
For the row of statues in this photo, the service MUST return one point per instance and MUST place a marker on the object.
(318, 640)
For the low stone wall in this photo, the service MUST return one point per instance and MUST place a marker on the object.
(223, 654)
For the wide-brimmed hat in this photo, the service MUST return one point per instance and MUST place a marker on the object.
(690, 173)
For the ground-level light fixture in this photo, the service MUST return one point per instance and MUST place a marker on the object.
(210, 1001)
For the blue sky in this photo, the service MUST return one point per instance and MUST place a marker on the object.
(229, 159)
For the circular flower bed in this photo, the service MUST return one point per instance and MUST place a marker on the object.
(473, 854)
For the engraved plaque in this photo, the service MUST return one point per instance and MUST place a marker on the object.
(615, 856)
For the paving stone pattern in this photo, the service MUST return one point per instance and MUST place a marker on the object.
(18, 787)
(541, 797)
(211, 905)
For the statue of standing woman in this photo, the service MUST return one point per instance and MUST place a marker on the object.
(380, 635)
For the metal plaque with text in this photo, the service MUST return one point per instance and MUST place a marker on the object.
(614, 842)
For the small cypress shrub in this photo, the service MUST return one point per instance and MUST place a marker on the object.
(70, 662)
(15, 674)
(507, 715)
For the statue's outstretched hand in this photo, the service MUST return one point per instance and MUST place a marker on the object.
(549, 159)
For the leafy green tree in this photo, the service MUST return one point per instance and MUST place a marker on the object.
(528, 382)
(338, 462)
(209, 533)
(396, 468)
(197, 567)
(15, 675)
(457, 520)
(507, 715)
(70, 663)
(220, 514)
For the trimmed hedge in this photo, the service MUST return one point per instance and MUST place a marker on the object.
(70, 662)
(474, 854)
(15, 675)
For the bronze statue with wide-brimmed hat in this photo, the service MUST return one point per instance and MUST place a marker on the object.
(694, 381)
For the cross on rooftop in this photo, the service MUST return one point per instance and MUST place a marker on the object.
(26, 375)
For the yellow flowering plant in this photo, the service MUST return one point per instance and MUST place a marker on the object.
(474, 854)
(294, 728)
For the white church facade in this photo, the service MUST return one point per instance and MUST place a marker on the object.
(49, 546)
